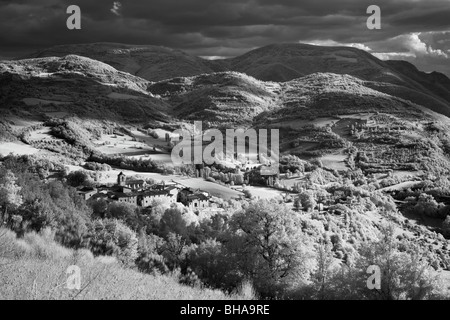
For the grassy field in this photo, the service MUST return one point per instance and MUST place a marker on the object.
(35, 268)
(334, 161)
(214, 189)
(264, 193)
(298, 124)
(18, 148)
(36, 102)
(138, 146)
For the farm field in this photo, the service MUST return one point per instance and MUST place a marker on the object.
(17, 148)
(334, 161)
(107, 177)
(36, 101)
(298, 124)
(264, 193)
(132, 147)
(214, 189)
(18, 123)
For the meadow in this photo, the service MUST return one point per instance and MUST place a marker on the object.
(34, 268)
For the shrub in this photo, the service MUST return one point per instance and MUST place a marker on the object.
(247, 193)
(247, 291)
(94, 166)
(9, 248)
(446, 226)
(112, 237)
(77, 178)
(307, 200)
(43, 246)
(150, 259)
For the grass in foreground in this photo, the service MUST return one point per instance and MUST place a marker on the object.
(35, 268)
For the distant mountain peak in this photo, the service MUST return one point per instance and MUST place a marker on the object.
(280, 62)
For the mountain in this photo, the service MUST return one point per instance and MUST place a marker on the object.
(153, 63)
(76, 85)
(284, 62)
(276, 63)
(296, 60)
(330, 95)
(221, 99)
(436, 82)
(235, 98)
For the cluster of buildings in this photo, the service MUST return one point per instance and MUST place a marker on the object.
(139, 193)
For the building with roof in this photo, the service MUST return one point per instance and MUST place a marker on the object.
(139, 193)
(194, 199)
(87, 192)
(197, 202)
(130, 198)
(145, 199)
(135, 185)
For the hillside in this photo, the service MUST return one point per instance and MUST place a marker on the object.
(301, 59)
(221, 99)
(295, 60)
(40, 260)
(75, 85)
(153, 63)
(313, 112)
(363, 177)
(276, 62)
(329, 94)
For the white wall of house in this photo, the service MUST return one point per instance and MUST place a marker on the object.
(198, 204)
(148, 200)
(131, 200)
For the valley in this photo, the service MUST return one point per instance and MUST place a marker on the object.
(364, 153)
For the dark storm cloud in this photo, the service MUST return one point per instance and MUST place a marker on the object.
(228, 28)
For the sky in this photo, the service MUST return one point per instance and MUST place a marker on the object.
(414, 30)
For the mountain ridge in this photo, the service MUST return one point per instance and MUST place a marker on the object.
(276, 62)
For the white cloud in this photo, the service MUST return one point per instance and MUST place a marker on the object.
(332, 43)
(116, 8)
(400, 47)
(393, 55)
(417, 46)
(407, 45)
(213, 57)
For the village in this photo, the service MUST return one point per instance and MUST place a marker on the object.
(143, 194)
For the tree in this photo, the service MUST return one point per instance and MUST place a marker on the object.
(427, 205)
(322, 276)
(405, 273)
(247, 193)
(215, 267)
(100, 208)
(175, 250)
(297, 204)
(446, 226)
(10, 197)
(150, 259)
(174, 220)
(120, 210)
(273, 250)
(307, 200)
(77, 178)
(126, 212)
(113, 237)
(239, 179)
